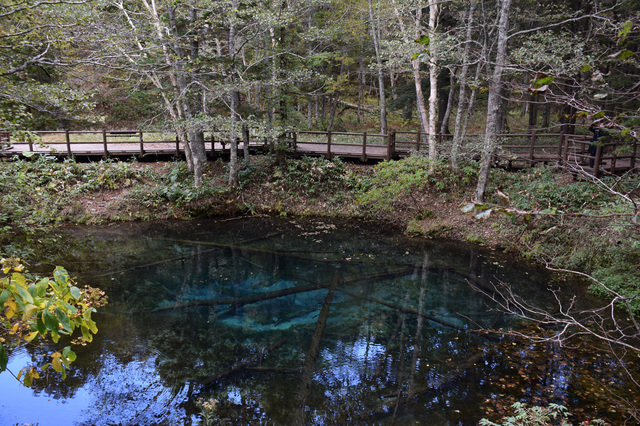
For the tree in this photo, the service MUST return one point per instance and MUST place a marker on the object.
(41, 44)
(43, 308)
(493, 104)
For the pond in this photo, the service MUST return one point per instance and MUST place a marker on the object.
(290, 321)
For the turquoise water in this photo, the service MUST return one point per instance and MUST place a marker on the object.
(282, 321)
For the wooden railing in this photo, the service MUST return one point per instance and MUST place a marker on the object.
(530, 148)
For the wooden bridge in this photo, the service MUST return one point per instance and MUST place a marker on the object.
(516, 150)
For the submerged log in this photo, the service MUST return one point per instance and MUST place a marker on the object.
(237, 302)
(243, 363)
(403, 309)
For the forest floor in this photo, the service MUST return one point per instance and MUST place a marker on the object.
(264, 196)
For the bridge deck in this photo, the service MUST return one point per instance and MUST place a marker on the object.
(517, 150)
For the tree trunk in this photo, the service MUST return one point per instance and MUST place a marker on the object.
(415, 65)
(493, 103)
(245, 143)
(233, 101)
(458, 130)
(433, 82)
(375, 32)
(361, 82)
(444, 127)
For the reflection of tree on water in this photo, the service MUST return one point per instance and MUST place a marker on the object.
(311, 357)
(392, 342)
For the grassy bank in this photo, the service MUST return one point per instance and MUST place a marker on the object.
(540, 213)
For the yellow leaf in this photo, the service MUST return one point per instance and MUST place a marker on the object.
(29, 311)
(29, 337)
(55, 361)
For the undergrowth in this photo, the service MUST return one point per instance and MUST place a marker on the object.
(574, 224)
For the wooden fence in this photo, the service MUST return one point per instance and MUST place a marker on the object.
(515, 150)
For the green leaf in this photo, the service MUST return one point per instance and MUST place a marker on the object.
(33, 290)
(4, 296)
(544, 81)
(626, 27)
(64, 320)
(69, 354)
(75, 292)
(622, 54)
(424, 40)
(50, 321)
(42, 286)
(24, 294)
(4, 358)
(42, 329)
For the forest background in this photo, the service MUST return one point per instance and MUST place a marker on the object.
(444, 67)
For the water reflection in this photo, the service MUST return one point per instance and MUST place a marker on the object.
(285, 322)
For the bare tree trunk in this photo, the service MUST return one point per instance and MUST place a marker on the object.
(433, 82)
(375, 32)
(462, 94)
(234, 101)
(245, 142)
(415, 65)
(493, 104)
(444, 127)
(360, 86)
(195, 144)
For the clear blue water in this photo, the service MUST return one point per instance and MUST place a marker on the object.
(283, 321)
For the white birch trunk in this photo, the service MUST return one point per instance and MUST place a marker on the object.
(458, 131)
(433, 83)
(375, 32)
(493, 104)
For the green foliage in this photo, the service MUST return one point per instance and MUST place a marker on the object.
(43, 308)
(313, 176)
(36, 191)
(173, 187)
(553, 414)
(408, 179)
(539, 189)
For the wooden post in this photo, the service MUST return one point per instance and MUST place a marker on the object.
(141, 145)
(177, 147)
(561, 145)
(294, 136)
(329, 145)
(9, 142)
(418, 135)
(533, 143)
(104, 142)
(364, 146)
(213, 145)
(565, 153)
(67, 138)
(633, 156)
(612, 168)
(596, 164)
(391, 144)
